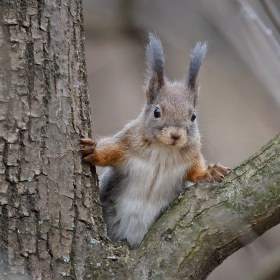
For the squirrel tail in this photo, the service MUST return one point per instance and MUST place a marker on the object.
(197, 56)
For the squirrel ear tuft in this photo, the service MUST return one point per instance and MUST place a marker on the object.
(197, 56)
(155, 65)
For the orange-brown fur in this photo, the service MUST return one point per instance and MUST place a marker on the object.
(106, 155)
(210, 174)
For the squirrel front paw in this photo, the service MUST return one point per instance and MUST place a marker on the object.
(214, 173)
(105, 152)
(88, 151)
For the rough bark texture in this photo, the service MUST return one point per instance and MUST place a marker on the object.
(50, 214)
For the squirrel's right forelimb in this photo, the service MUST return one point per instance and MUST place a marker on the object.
(101, 153)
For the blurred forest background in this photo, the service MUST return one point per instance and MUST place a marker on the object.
(239, 102)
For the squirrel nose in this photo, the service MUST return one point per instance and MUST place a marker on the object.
(175, 136)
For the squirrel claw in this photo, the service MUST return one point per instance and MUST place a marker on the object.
(87, 142)
(86, 151)
(88, 159)
(214, 173)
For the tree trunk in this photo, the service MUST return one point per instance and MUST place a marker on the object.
(50, 211)
(50, 223)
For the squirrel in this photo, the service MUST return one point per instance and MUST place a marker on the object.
(151, 158)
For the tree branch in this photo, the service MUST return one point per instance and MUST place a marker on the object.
(207, 223)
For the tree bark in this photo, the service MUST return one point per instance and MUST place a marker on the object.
(50, 214)
(50, 211)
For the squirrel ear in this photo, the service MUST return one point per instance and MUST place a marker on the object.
(197, 56)
(155, 65)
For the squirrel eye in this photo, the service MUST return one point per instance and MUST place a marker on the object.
(157, 113)
(193, 116)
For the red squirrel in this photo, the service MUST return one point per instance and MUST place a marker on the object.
(151, 158)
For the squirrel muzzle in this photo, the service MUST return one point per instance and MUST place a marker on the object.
(173, 136)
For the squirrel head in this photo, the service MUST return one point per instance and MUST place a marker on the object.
(170, 116)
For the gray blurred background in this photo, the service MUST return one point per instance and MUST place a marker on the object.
(239, 102)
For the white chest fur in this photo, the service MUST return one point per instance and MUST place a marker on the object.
(151, 183)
